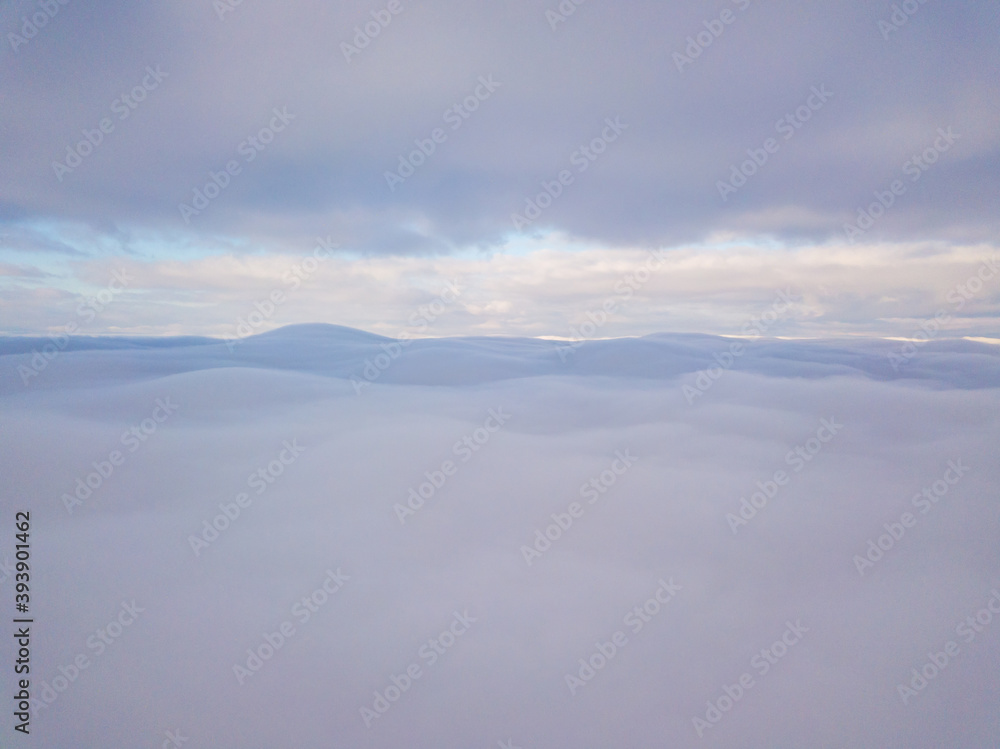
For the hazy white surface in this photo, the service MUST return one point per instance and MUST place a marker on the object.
(505, 677)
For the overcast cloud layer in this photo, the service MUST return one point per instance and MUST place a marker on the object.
(352, 120)
(501, 374)
(740, 493)
(633, 116)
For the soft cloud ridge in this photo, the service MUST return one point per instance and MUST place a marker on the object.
(441, 546)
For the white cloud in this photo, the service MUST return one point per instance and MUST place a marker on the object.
(882, 290)
(664, 518)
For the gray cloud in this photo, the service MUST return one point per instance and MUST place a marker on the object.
(325, 173)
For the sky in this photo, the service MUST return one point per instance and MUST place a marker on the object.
(531, 154)
(500, 374)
